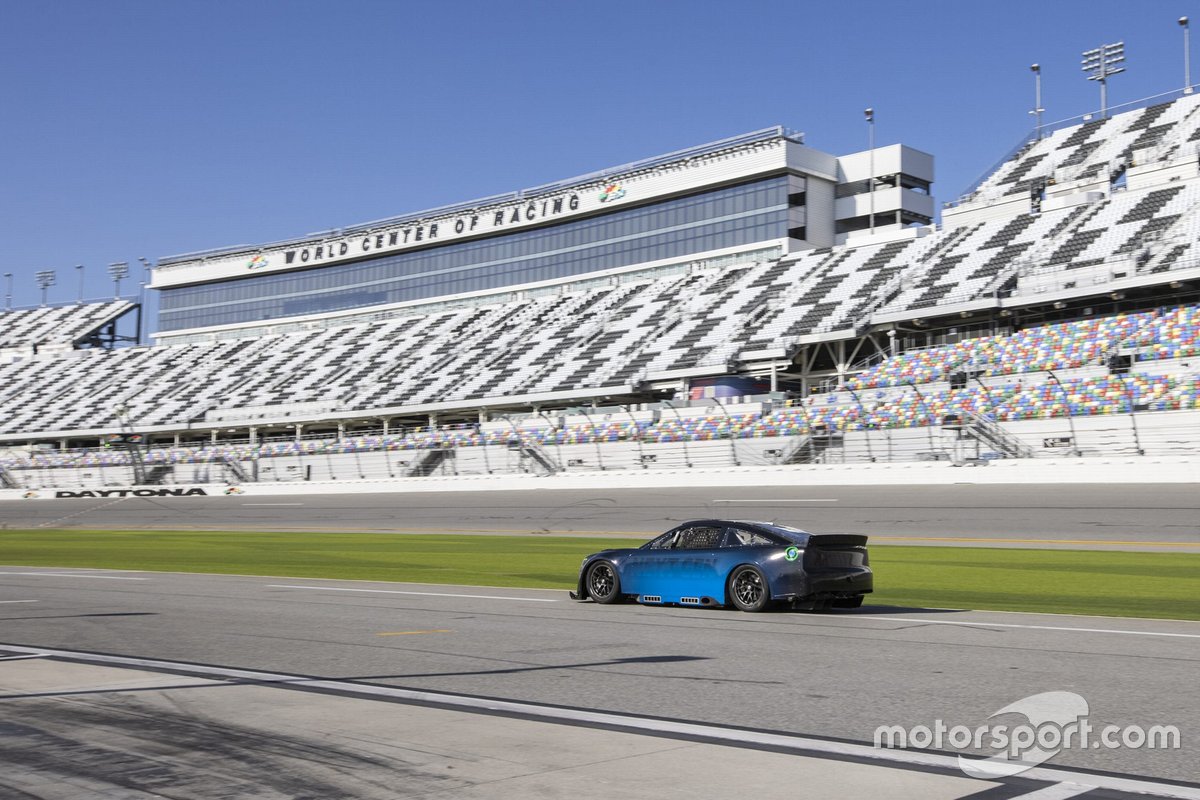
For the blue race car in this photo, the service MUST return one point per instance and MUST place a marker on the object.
(749, 565)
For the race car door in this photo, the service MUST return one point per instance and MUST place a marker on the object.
(695, 570)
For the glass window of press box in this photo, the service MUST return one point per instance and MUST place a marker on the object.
(729, 217)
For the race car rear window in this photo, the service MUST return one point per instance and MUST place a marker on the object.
(788, 533)
(740, 537)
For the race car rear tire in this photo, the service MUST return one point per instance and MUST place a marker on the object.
(748, 589)
(603, 585)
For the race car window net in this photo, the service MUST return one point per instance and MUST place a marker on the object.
(700, 538)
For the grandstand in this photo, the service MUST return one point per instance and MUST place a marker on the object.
(731, 303)
(54, 329)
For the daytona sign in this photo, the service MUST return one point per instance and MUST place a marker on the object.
(131, 493)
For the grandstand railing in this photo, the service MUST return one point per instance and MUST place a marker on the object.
(629, 439)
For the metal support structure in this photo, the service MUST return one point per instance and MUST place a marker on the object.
(1067, 407)
(928, 413)
(732, 443)
(637, 435)
(8, 279)
(987, 392)
(595, 438)
(687, 459)
(866, 422)
(1131, 396)
(118, 270)
(1037, 99)
(45, 279)
(870, 114)
(557, 444)
(79, 271)
(1187, 55)
(1100, 64)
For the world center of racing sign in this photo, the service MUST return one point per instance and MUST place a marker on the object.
(513, 213)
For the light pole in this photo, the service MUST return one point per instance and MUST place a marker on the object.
(8, 291)
(117, 271)
(45, 279)
(79, 270)
(1099, 64)
(1187, 55)
(1036, 69)
(870, 115)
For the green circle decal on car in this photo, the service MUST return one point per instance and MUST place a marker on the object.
(792, 553)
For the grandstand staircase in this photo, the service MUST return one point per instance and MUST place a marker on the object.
(237, 470)
(156, 475)
(802, 451)
(7, 481)
(992, 434)
(429, 461)
(534, 458)
(810, 448)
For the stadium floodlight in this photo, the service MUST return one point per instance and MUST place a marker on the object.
(45, 279)
(118, 270)
(79, 271)
(1036, 69)
(8, 291)
(1187, 55)
(1100, 63)
(870, 116)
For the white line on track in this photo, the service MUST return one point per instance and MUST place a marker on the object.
(777, 500)
(76, 575)
(1029, 627)
(426, 594)
(22, 658)
(798, 744)
(1059, 791)
(272, 504)
(18, 601)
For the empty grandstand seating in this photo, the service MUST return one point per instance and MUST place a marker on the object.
(617, 332)
(69, 324)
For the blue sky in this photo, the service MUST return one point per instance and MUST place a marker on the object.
(147, 128)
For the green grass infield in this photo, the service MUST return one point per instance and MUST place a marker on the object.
(1129, 584)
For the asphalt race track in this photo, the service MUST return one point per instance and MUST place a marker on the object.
(833, 676)
(72, 727)
(1133, 516)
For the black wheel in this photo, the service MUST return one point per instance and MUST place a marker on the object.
(603, 585)
(748, 589)
(849, 602)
